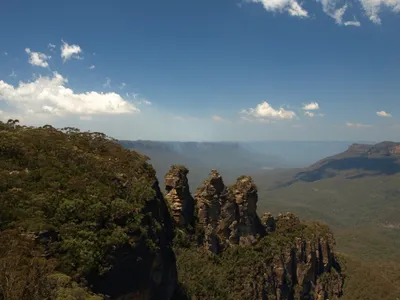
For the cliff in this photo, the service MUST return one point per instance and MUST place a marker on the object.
(80, 206)
(83, 218)
(247, 257)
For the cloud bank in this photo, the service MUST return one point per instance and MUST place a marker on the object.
(264, 112)
(370, 8)
(50, 95)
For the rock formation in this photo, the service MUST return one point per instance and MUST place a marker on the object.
(249, 225)
(269, 223)
(228, 215)
(217, 213)
(96, 211)
(178, 195)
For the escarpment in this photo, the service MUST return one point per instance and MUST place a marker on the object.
(83, 216)
(87, 220)
(258, 258)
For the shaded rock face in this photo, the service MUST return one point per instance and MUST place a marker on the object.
(217, 213)
(246, 197)
(179, 196)
(228, 215)
(268, 221)
(151, 273)
(308, 269)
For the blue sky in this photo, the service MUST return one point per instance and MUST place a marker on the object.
(204, 70)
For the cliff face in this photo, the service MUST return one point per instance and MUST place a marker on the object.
(227, 215)
(285, 258)
(307, 264)
(94, 210)
(80, 215)
(178, 195)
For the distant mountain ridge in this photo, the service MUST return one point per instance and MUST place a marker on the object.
(232, 158)
(357, 161)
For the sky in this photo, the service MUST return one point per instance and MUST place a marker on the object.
(211, 70)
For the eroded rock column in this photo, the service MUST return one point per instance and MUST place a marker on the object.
(178, 195)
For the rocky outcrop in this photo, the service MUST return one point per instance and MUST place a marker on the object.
(268, 221)
(249, 225)
(217, 213)
(178, 195)
(308, 269)
(228, 215)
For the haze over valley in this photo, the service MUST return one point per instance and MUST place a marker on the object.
(200, 150)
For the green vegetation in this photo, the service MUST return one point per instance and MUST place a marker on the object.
(363, 214)
(80, 216)
(83, 197)
(245, 272)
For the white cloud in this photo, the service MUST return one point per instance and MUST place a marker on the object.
(70, 51)
(292, 7)
(13, 74)
(338, 14)
(133, 94)
(47, 95)
(312, 114)
(144, 101)
(220, 119)
(107, 84)
(329, 7)
(51, 46)
(383, 114)
(352, 23)
(264, 112)
(92, 67)
(372, 8)
(357, 125)
(311, 106)
(122, 85)
(37, 58)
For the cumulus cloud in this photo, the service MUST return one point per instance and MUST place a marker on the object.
(37, 58)
(311, 106)
(357, 125)
(92, 67)
(383, 114)
(264, 112)
(49, 95)
(292, 7)
(310, 114)
(372, 8)
(70, 51)
(51, 46)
